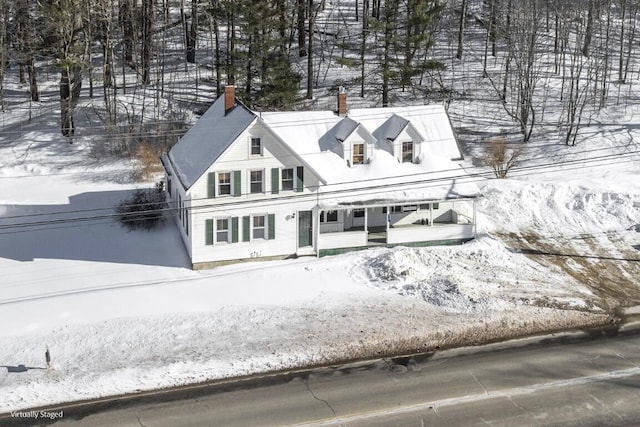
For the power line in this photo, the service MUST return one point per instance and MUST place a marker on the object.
(236, 201)
(484, 175)
(279, 200)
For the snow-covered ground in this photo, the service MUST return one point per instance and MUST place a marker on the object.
(120, 311)
(558, 247)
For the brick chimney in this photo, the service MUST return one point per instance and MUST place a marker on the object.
(229, 98)
(342, 102)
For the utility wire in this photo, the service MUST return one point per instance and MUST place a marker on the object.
(275, 201)
(483, 175)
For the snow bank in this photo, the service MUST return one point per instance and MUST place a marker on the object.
(558, 208)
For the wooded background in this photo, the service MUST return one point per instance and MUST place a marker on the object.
(273, 51)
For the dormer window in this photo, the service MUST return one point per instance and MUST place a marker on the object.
(358, 154)
(407, 151)
(256, 147)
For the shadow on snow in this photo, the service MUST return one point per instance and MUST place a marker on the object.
(86, 229)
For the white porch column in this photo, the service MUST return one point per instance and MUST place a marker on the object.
(388, 222)
(315, 223)
(366, 217)
(430, 214)
(475, 223)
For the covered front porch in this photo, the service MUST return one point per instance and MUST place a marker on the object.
(386, 224)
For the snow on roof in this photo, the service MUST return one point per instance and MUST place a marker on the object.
(209, 137)
(314, 135)
(391, 128)
(308, 133)
(344, 128)
(430, 121)
(384, 179)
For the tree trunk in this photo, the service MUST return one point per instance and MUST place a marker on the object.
(126, 17)
(463, 16)
(310, 52)
(390, 18)
(607, 61)
(623, 12)
(363, 46)
(493, 25)
(192, 34)
(589, 31)
(216, 58)
(3, 49)
(302, 5)
(148, 20)
(70, 85)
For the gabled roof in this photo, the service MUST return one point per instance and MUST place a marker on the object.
(207, 139)
(334, 139)
(343, 129)
(430, 121)
(315, 138)
(391, 128)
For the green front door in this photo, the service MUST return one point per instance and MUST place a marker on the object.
(305, 228)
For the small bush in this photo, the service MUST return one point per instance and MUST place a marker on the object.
(502, 156)
(149, 157)
(144, 209)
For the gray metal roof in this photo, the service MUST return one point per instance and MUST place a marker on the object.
(391, 128)
(209, 137)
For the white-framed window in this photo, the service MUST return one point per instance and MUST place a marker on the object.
(256, 180)
(358, 213)
(258, 227)
(256, 146)
(392, 209)
(224, 183)
(409, 208)
(222, 230)
(358, 154)
(407, 151)
(329, 216)
(287, 179)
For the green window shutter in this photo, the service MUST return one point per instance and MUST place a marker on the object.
(246, 228)
(234, 229)
(208, 236)
(300, 178)
(237, 183)
(272, 226)
(211, 185)
(275, 180)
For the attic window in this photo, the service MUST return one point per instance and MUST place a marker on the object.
(256, 147)
(358, 154)
(407, 151)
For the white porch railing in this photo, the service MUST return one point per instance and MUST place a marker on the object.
(344, 239)
(421, 233)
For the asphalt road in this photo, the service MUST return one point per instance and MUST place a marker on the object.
(574, 380)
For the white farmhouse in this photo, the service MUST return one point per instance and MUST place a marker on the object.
(247, 185)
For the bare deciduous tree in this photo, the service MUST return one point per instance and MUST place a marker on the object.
(502, 156)
(463, 17)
